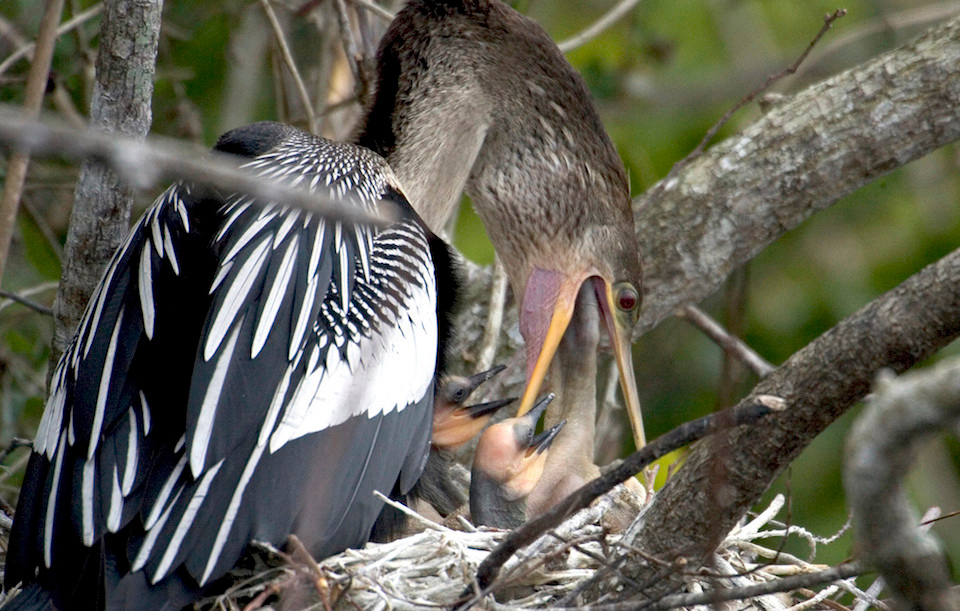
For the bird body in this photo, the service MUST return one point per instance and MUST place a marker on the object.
(472, 95)
(244, 371)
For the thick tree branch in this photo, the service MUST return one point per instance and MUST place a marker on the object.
(801, 157)
(902, 414)
(724, 475)
(129, 33)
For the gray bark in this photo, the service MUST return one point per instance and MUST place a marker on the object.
(129, 33)
(724, 475)
(902, 414)
(799, 158)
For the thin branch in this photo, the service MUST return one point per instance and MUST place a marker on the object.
(828, 21)
(354, 58)
(677, 438)
(33, 98)
(375, 8)
(731, 344)
(491, 332)
(612, 16)
(145, 164)
(33, 305)
(291, 65)
(709, 597)
(65, 27)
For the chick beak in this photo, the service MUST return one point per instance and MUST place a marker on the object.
(547, 308)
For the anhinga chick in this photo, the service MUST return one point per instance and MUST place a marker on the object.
(455, 423)
(507, 467)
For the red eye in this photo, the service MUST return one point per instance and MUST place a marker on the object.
(628, 299)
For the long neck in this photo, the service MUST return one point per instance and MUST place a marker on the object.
(429, 115)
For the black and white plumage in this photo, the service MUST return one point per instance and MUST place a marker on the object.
(243, 371)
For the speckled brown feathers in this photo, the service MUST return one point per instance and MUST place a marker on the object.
(478, 95)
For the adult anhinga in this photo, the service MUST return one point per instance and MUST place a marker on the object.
(244, 371)
(471, 94)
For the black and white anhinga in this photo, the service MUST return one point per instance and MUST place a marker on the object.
(244, 371)
(472, 95)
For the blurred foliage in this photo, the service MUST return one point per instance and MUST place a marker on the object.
(661, 77)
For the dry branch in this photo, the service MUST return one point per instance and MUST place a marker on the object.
(16, 171)
(883, 442)
(158, 160)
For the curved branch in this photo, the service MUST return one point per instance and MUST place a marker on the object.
(801, 157)
(883, 442)
(726, 474)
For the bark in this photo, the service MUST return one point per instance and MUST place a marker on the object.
(902, 414)
(802, 156)
(129, 33)
(726, 474)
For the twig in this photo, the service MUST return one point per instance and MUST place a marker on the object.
(291, 65)
(608, 19)
(374, 8)
(733, 345)
(65, 27)
(15, 444)
(678, 437)
(902, 413)
(828, 21)
(784, 584)
(409, 512)
(33, 98)
(491, 332)
(33, 305)
(352, 51)
(145, 164)
(884, 23)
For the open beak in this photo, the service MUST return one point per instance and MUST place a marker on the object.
(454, 423)
(512, 453)
(546, 311)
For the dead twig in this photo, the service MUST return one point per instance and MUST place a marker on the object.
(609, 18)
(731, 344)
(33, 97)
(33, 305)
(677, 438)
(828, 21)
(291, 65)
(64, 28)
(145, 164)
(491, 332)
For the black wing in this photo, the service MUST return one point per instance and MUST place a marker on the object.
(243, 372)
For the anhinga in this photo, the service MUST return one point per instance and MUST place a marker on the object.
(244, 371)
(472, 95)
(508, 466)
(251, 371)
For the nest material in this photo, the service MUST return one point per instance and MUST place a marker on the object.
(435, 569)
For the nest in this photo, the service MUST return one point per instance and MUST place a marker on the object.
(436, 569)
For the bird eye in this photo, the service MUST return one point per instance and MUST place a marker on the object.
(628, 299)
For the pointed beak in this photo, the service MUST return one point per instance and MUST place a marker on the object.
(546, 310)
(453, 423)
(621, 341)
(512, 453)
